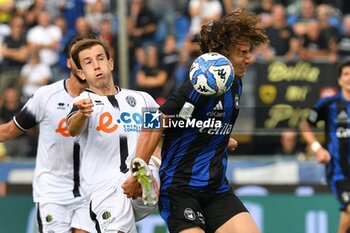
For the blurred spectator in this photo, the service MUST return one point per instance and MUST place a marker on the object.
(17, 147)
(62, 69)
(106, 32)
(203, 11)
(170, 54)
(97, 14)
(32, 13)
(170, 59)
(315, 44)
(182, 68)
(231, 5)
(89, 4)
(344, 41)
(294, 52)
(262, 52)
(328, 29)
(289, 144)
(152, 76)
(82, 27)
(279, 32)
(71, 10)
(45, 38)
(14, 51)
(141, 24)
(34, 74)
(299, 21)
(264, 10)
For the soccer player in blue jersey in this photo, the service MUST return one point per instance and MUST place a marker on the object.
(334, 111)
(195, 195)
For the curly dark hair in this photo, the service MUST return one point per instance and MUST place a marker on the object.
(221, 35)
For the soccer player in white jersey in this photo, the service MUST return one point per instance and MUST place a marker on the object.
(107, 121)
(61, 206)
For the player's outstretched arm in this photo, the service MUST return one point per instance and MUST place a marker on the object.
(146, 146)
(77, 121)
(9, 130)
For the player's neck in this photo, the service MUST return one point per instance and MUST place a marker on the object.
(75, 87)
(106, 90)
(346, 94)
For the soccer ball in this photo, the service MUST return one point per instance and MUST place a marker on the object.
(211, 74)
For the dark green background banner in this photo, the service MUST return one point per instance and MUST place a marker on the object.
(286, 91)
(274, 214)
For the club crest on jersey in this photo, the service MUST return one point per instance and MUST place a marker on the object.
(189, 214)
(236, 101)
(131, 100)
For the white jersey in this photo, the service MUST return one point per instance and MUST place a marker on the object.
(108, 143)
(56, 178)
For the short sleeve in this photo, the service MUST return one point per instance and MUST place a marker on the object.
(33, 111)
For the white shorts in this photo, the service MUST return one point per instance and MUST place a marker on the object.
(140, 210)
(113, 212)
(62, 218)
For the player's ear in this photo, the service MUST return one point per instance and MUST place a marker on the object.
(111, 63)
(68, 63)
(81, 74)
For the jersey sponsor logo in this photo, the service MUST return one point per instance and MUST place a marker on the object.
(343, 132)
(220, 130)
(105, 123)
(62, 128)
(129, 121)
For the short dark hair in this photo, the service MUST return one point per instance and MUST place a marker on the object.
(76, 39)
(222, 35)
(342, 66)
(86, 44)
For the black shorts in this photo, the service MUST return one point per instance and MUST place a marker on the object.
(341, 189)
(187, 208)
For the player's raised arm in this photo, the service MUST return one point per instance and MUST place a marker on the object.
(9, 131)
(78, 116)
(146, 147)
(148, 141)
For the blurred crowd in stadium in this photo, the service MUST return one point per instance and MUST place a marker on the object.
(34, 36)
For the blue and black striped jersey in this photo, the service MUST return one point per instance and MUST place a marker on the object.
(194, 153)
(334, 111)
